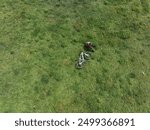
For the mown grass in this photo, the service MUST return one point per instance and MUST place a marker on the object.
(40, 41)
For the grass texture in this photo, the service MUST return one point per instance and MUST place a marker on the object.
(40, 41)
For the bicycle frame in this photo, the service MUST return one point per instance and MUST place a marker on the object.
(82, 59)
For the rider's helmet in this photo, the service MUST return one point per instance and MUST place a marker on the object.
(89, 46)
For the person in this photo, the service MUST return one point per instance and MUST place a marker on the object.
(89, 46)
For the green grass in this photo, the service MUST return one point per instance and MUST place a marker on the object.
(40, 41)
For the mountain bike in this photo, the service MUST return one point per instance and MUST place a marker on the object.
(83, 57)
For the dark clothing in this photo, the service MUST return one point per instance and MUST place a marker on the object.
(89, 47)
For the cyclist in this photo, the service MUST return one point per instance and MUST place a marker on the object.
(89, 46)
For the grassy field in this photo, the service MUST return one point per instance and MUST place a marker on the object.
(40, 41)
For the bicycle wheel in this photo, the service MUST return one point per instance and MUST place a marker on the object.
(87, 55)
(78, 66)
